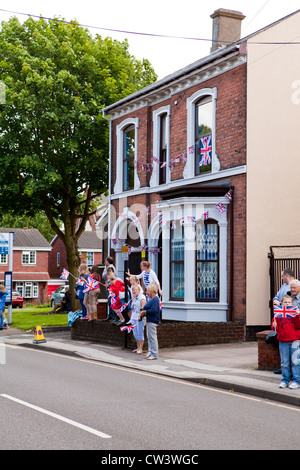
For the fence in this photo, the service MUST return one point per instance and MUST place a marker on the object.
(282, 257)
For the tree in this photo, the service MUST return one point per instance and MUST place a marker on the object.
(53, 138)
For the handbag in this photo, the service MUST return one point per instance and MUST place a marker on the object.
(271, 338)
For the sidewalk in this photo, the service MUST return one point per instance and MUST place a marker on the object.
(230, 366)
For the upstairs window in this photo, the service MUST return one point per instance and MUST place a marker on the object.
(128, 157)
(203, 135)
(29, 257)
(163, 149)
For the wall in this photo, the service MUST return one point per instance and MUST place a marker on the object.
(273, 148)
(169, 334)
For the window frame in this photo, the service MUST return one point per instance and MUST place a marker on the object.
(171, 262)
(189, 169)
(128, 159)
(118, 185)
(156, 147)
(209, 221)
(31, 257)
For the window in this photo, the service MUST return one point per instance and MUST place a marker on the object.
(203, 135)
(128, 157)
(31, 289)
(3, 259)
(163, 145)
(207, 269)
(20, 288)
(58, 260)
(90, 258)
(177, 263)
(29, 257)
(126, 173)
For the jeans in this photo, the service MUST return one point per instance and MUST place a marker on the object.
(1, 318)
(152, 339)
(290, 359)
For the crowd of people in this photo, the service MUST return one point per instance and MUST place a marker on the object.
(141, 301)
(286, 323)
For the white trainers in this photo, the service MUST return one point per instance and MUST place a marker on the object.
(294, 385)
(283, 385)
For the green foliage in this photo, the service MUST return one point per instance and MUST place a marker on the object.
(53, 138)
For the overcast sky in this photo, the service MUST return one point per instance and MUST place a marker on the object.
(184, 18)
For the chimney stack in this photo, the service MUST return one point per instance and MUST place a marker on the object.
(226, 27)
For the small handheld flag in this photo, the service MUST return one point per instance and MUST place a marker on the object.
(64, 274)
(284, 311)
(90, 285)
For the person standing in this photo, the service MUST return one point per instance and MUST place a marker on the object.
(152, 311)
(3, 295)
(287, 276)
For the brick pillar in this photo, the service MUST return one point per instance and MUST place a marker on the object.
(268, 354)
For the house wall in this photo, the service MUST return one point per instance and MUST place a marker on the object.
(273, 149)
(231, 152)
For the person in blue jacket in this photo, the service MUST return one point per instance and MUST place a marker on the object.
(152, 311)
(2, 304)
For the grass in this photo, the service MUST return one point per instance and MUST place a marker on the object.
(30, 318)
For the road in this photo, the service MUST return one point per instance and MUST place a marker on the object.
(50, 401)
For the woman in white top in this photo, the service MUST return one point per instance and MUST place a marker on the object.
(148, 275)
(137, 304)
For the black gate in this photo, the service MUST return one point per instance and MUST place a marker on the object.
(282, 257)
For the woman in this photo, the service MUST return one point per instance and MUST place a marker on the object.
(90, 298)
(148, 275)
(83, 275)
(152, 311)
(137, 304)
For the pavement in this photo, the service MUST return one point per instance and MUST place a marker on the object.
(230, 366)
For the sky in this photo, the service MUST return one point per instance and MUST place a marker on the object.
(180, 18)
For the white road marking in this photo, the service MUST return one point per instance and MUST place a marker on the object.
(55, 415)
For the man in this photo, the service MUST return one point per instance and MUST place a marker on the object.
(295, 292)
(287, 276)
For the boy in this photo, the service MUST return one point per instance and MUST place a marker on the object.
(287, 327)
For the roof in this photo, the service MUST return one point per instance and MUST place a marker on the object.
(89, 240)
(215, 55)
(28, 238)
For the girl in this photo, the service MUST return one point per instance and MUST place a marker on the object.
(148, 275)
(138, 302)
(3, 295)
(83, 274)
(116, 287)
(90, 298)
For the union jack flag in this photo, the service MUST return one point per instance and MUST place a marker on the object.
(191, 149)
(205, 215)
(123, 307)
(90, 285)
(229, 195)
(155, 159)
(80, 282)
(284, 311)
(220, 207)
(64, 274)
(205, 150)
(127, 328)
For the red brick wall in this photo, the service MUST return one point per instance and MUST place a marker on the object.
(231, 151)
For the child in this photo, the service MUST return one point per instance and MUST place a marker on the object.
(116, 287)
(2, 304)
(138, 302)
(152, 311)
(288, 337)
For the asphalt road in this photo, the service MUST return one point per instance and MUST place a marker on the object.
(50, 401)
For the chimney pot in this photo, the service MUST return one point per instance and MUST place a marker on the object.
(226, 27)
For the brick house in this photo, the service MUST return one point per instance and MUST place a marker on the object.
(90, 248)
(192, 158)
(30, 263)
